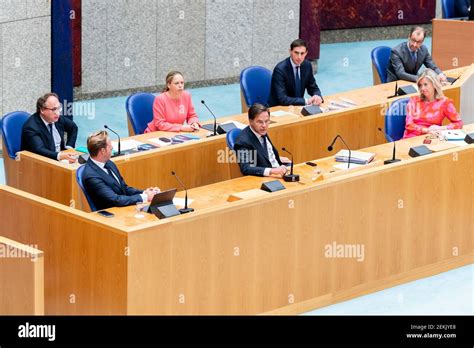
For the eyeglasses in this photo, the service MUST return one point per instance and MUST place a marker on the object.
(417, 42)
(55, 110)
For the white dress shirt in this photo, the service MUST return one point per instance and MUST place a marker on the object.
(271, 154)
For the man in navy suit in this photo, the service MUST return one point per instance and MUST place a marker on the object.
(255, 152)
(102, 180)
(43, 132)
(292, 76)
(407, 58)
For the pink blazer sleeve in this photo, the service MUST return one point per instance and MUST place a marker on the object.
(451, 113)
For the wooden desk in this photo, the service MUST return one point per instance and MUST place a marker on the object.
(197, 162)
(21, 279)
(452, 45)
(268, 254)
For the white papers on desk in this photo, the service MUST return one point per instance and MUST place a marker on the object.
(342, 103)
(179, 202)
(453, 135)
(126, 144)
(281, 113)
(344, 166)
(358, 157)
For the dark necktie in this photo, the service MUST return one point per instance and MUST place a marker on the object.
(53, 144)
(413, 57)
(264, 144)
(297, 83)
(107, 167)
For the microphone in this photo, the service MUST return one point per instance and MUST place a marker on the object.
(290, 177)
(396, 91)
(215, 119)
(185, 209)
(394, 159)
(457, 78)
(330, 148)
(118, 153)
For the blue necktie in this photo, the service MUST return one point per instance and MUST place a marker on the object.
(297, 83)
(413, 57)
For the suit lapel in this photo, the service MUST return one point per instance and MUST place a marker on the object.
(258, 145)
(106, 176)
(291, 75)
(46, 135)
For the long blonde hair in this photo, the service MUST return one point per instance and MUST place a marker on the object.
(169, 78)
(431, 76)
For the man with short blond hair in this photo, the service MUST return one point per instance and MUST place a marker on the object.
(102, 180)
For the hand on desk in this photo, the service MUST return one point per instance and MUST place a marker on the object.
(279, 171)
(151, 192)
(285, 160)
(190, 128)
(315, 100)
(71, 157)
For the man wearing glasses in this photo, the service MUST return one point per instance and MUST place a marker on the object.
(407, 58)
(43, 133)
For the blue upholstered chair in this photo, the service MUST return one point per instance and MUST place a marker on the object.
(139, 108)
(381, 58)
(234, 168)
(447, 7)
(255, 82)
(395, 119)
(231, 137)
(79, 173)
(12, 125)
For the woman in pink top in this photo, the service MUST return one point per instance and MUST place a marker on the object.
(172, 107)
(426, 112)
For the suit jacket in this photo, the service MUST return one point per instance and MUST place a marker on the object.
(246, 146)
(283, 84)
(461, 8)
(401, 66)
(104, 190)
(35, 136)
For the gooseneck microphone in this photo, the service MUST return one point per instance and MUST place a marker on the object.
(330, 148)
(395, 94)
(290, 177)
(110, 129)
(394, 159)
(215, 119)
(185, 209)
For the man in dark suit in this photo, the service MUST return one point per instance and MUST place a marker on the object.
(102, 180)
(407, 58)
(292, 76)
(43, 132)
(255, 152)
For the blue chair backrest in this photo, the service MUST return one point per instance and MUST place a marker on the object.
(79, 173)
(139, 108)
(232, 136)
(395, 119)
(12, 126)
(380, 58)
(448, 8)
(255, 83)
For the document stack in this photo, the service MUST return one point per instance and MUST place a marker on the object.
(357, 157)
